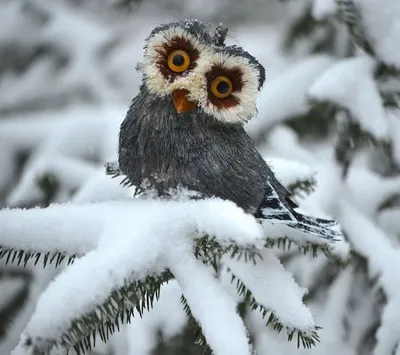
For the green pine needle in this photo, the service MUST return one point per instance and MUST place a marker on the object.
(307, 340)
(105, 319)
(196, 328)
(21, 257)
(302, 186)
(210, 251)
(286, 244)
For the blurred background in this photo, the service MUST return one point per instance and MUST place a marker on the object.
(330, 102)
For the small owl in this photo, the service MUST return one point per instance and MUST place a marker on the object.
(185, 127)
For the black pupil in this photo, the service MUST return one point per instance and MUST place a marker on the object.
(223, 87)
(178, 60)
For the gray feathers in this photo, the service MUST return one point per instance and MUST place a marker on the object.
(206, 149)
(192, 150)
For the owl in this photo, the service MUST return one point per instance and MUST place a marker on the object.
(185, 128)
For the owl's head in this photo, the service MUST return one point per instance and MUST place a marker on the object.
(182, 59)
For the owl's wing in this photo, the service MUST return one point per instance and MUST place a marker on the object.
(277, 207)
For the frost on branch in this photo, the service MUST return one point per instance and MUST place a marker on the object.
(133, 247)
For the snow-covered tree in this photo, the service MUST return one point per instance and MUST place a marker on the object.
(328, 123)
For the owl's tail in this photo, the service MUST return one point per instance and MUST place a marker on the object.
(274, 211)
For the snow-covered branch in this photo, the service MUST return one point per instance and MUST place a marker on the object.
(133, 246)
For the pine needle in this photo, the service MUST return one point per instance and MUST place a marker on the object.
(130, 300)
(286, 244)
(307, 340)
(21, 257)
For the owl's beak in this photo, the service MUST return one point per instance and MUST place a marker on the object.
(181, 101)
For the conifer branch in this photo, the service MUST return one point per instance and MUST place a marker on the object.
(285, 244)
(306, 186)
(304, 339)
(210, 251)
(196, 328)
(105, 319)
(21, 257)
(350, 15)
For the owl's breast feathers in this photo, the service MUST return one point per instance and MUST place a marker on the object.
(166, 150)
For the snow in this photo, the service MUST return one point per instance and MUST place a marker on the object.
(72, 140)
(321, 9)
(101, 187)
(63, 143)
(384, 264)
(363, 184)
(290, 171)
(132, 245)
(210, 304)
(380, 19)
(283, 142)
(389, 221)
(335, 309)
(284, 96)
(73, 229)
(350, 83)
(69, 172)
(284, 300)
(40, 280)
(167, 315)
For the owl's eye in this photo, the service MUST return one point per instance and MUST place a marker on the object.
(178, 61)
(221, 87)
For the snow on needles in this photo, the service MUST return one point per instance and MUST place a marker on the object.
(210, 304)
(274, 288)
(384, 262)
(381, 21)
(285, 95)
(140, 238)
(350, 83)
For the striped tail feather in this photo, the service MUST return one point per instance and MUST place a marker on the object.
(274, 210)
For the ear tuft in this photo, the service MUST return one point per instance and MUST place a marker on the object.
(220, 35)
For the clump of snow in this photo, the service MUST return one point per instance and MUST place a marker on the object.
(285, 95)
(63, 142)
(362, 186)
(350, 84)
(380, 20)
(211, 304)
(290, 171)
(69, 228)
(284, 143)
(263, 279)
(323, 8)
(139, 238)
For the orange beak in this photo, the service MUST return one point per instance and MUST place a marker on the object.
(181, 102)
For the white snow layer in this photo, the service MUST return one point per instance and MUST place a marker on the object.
(350, 83)
(323, 8)
(167, 315)
(62, 141)
(290, 171)
(69, 228)
(138, 238)
(384, 261)
(210, 303)
(274, 288)
(381, 22)
(285, 95)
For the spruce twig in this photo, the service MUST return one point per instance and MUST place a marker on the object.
(303, 338)
(21, 257)
(105, 319)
